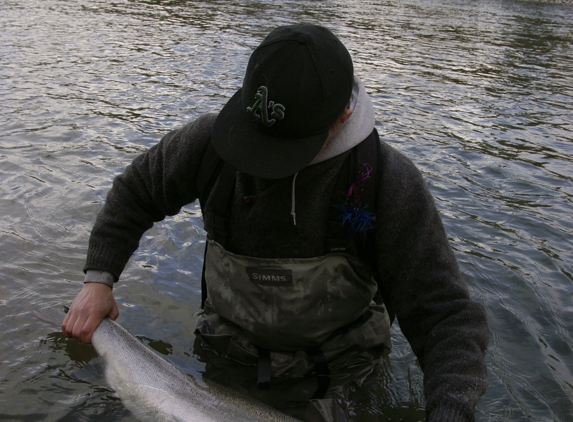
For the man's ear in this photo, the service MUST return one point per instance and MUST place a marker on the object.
(345, 115)
(340, 121)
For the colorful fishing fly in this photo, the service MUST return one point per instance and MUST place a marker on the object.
(354, 212)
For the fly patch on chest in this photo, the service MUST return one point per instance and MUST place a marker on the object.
(270, 276)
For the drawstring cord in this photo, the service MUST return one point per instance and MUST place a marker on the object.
(292, 209)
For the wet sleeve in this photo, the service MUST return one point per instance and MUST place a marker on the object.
(155, 185)
(448, 331)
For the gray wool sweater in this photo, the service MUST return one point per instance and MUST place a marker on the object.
(448, 331)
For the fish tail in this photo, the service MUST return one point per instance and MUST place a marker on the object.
(53, 315)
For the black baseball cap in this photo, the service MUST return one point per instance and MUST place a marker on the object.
(298, 82)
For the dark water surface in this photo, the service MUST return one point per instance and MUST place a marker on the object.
(478, 94)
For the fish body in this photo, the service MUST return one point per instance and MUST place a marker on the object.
(154, 389)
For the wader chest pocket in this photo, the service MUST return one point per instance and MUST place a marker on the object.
(287, 304)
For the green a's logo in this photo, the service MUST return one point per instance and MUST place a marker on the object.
(260, 110)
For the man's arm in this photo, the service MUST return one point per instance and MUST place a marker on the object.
(156, 184)
(448, 331)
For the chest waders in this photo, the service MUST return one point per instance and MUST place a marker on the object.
(272, 312)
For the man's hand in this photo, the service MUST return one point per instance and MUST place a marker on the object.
(92, 304)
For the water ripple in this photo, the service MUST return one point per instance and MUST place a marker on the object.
(477, 94)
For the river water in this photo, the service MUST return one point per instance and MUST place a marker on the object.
(478, 94)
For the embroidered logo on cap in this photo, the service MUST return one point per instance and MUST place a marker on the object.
(262, 106)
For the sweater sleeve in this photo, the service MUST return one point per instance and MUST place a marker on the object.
(156, 184)
(448, 331)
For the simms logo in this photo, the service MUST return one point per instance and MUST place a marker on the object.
(270, 276)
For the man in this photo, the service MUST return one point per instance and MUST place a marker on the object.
(302, 204)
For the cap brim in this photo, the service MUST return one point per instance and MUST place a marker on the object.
(238, 142)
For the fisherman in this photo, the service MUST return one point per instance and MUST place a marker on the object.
(318, 233)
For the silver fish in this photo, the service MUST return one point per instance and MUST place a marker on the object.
(153, 389)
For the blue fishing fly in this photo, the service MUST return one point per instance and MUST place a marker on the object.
(354, 212)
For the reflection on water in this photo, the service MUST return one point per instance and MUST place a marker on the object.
(478, 94)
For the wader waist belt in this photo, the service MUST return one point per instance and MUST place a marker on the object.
(365, 338)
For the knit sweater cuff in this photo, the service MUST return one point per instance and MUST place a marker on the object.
(93, 276)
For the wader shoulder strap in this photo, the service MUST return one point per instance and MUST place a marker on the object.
(211, 165)
(352, 215)
(221, 201)
(352, 218)
(212, 168)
